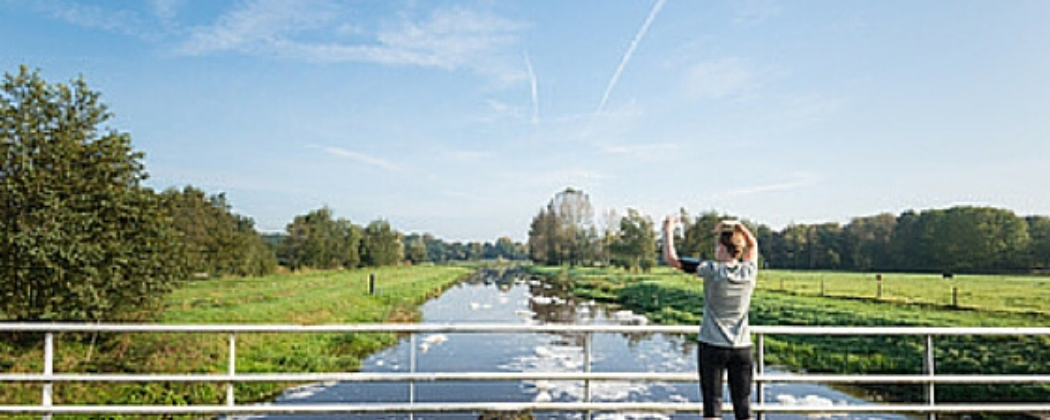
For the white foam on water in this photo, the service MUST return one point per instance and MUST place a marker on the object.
(810, 400)
(304, 391)
(435, 338)
(568, 358)
(628, 317)
(631, 416)
(248, 416)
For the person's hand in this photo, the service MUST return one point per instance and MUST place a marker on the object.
(670, 221)
(726, 225)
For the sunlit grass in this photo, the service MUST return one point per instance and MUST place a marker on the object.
(332, 297)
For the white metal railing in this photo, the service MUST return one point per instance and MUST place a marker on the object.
(929, 378)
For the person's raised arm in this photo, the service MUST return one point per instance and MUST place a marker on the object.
(670, 255)
(751, 253)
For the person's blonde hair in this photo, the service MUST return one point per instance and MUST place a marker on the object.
(734, 243)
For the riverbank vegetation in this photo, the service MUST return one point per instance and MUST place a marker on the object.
(962, 239)
(323, 297)
(669, 297)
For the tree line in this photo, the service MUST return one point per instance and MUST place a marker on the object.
(964, 239)
(319, 240)
(82, 238)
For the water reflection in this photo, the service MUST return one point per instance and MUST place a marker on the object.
(511, 297)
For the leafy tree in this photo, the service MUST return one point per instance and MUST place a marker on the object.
(866, 242)
(381, 245)
(1039, 249)
(577, 233)
(698, 239)
(564, 231)
(80, 237)
(217, 241)
(635, 247)
(966, 239)
(349, 243)
(545, 237)
(415, 249)
(506, 248)
(317, 240)
(437, 250)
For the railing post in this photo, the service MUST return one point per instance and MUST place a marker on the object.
(760, 394)
(930, 371)
(587, 369)
(231, 368)
(412, 369)
(49, 369)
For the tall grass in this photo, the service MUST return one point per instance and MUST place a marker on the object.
(314, 298)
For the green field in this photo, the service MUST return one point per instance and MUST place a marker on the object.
(1020, 294)
(316, 298)
(670, 297)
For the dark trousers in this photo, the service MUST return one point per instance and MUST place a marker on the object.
(714, 362)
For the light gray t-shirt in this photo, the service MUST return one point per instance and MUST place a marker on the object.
(727, 298)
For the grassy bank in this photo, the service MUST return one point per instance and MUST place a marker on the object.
(674, 298)
(315, 298)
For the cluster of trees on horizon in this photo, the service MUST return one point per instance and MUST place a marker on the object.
(964, 239)
(81, 237)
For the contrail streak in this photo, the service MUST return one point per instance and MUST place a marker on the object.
(535, 90)
(627, 58)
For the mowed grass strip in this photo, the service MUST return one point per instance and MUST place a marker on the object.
(335, 297)
(997, 293)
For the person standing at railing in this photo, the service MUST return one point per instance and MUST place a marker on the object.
(725, 340)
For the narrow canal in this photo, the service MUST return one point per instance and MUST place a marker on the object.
(486, 298)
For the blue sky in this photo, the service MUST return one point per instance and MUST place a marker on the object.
(464, 118)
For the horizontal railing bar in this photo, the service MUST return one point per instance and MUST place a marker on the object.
(816, 330)
(346, 328)
(910, 379)
(661, 407)
(358, 377)
(505, 328)
(517, 376)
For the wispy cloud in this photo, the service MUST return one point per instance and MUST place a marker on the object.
(166, 10)
(628, 54)
(363, 158)
(466, 156)
(123, 22)
(754, 12)
(314, 30)
(721, 79)
(259, 27)
(799, 180)
(641, 150)
(534, 90)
